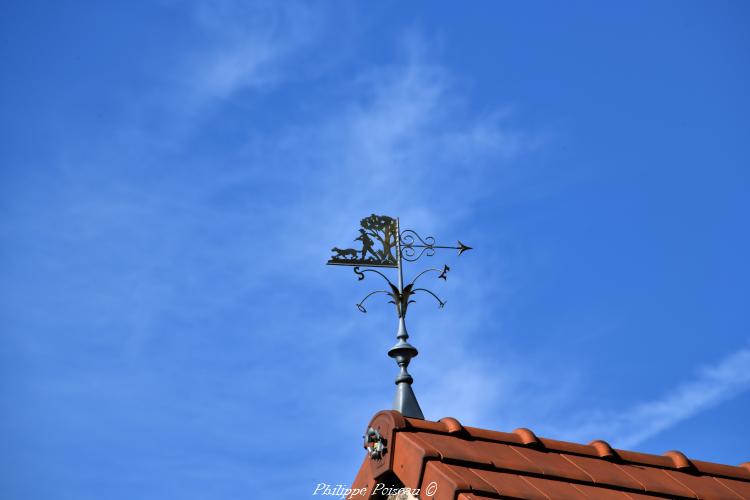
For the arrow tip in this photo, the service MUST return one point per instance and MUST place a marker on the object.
(462, 248)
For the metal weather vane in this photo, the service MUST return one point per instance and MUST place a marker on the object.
(395, 247)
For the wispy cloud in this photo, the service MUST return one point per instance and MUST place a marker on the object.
(409, 143)
(403, 140)
(406, 141)
(247, 45)
(183, 248)
(711, 386)
(236, 52)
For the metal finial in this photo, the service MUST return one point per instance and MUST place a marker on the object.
(409, 246)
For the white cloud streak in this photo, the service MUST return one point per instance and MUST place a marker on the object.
(249, 42)
(411, 148)
(712, 386)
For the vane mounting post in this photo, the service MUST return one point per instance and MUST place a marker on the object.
(395, 247)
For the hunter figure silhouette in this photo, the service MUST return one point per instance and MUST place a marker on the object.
(366, 244)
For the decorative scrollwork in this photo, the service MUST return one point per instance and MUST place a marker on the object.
(414, 246)
(394, 293)
(443, 273)
(361, 274)
(409, 237)
(410, 254)
(441, 303)
(361, 306)
(409, 245)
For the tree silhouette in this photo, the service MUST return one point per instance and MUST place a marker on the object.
(382, 228)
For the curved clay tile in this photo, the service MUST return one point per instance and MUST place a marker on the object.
(603, 449)
(679, 459)
(452, 425)
(527, 436)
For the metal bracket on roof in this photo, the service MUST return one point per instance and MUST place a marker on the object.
(374, 444)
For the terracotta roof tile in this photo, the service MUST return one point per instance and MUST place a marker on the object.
(566, 447)
(656, 481)
(470, 496)
(741, 489)
(553, 464)
(455, 449)
(489, 435)
(556, 490)
(365, 480)
(448, 482)
(410, 455)
(644, 458)
(740, 472)
(603, 449)
(510, 485)
(699, 486)
(679, 459)
(470, 476)
(503, 457)
(470, 463)
(452, 426)
(638, 496)
(426, 425)
(527, 437)
(603, 473)
(602, 493)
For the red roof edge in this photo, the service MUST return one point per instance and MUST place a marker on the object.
(422, 453)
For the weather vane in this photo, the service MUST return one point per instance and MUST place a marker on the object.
(385, 245)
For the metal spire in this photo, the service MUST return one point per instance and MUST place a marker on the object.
(409, 246)
(405, 400)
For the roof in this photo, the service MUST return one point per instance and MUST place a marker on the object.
(467, 463)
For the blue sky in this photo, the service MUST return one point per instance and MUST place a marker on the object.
(172, 175)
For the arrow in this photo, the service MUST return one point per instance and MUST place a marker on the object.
(462, 248)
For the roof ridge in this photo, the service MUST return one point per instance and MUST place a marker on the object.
(422, 453)
(599, 449)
